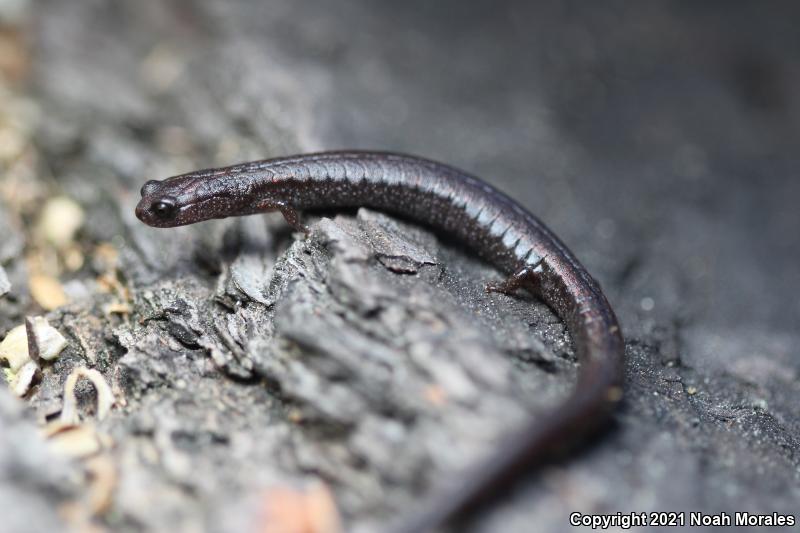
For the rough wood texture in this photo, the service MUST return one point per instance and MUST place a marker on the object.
(659, 142)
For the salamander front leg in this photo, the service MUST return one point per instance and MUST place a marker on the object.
(292, 217)
(522, 278)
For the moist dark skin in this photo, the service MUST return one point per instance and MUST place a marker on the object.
(491, 224)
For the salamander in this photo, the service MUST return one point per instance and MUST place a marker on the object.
(489, 223)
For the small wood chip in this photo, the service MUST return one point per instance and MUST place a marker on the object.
(310, 510)
(25, 378)
(5, 285)
(47, 291)
(105, 397)
(436, 395)
(14, 348)
(60, 219)
(103, 480)
(76, 442)
(117, 308)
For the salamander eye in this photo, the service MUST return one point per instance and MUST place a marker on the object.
(148, 187)
(164, 208)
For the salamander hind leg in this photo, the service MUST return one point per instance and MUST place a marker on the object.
(525, 277)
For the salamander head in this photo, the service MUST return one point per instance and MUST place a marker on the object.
(198, 196)
(182, 200)
(163, 206)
